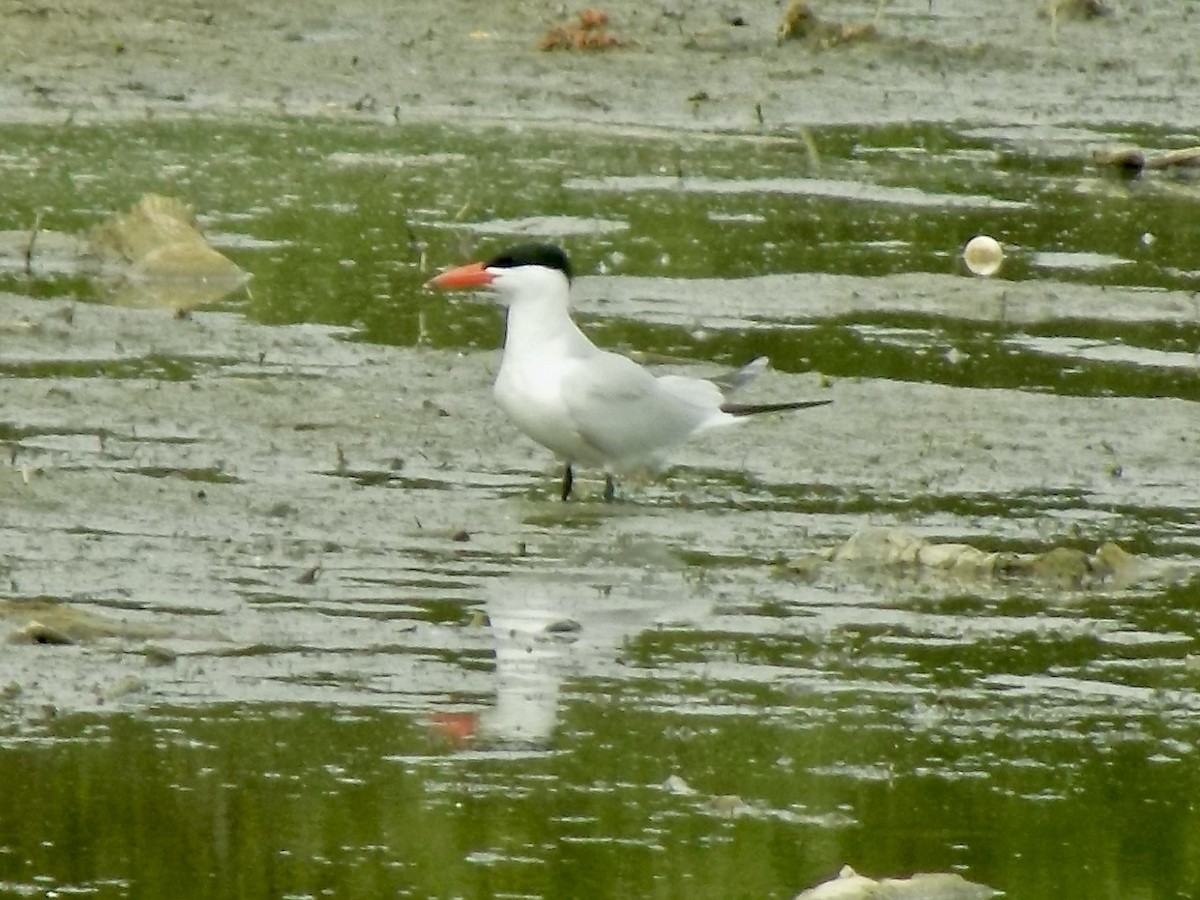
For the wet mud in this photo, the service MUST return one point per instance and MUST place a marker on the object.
(274, 568)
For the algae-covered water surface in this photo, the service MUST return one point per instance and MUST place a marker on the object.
(295, 612)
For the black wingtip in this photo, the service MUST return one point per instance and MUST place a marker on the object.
(754, 409)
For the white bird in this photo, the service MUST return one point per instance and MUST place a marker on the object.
(590, 406)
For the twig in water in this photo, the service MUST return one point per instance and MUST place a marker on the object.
(33, 234)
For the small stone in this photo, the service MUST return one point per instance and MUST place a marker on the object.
(38, 633)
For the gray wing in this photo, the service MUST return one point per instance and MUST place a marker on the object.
(627, 414)
(731, 381)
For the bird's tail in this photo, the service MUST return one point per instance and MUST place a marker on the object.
(753, 409)
(731, 381)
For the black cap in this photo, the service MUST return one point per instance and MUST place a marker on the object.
(547, 255)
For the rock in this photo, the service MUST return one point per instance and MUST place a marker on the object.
(130, 684)
(169, 261)
(676, 785)
(1110, 561)
(801, 23)
(39, 633)
(1122, 156)
(849, 885)
(563, 626)
(955, 556)
(155, 255)
(1132, 159)
(727, 805)
(62, 623)
(1062, 564)
(895, 547)
(157, 655)
(933, 886)
(1075, 9)
(878, 545)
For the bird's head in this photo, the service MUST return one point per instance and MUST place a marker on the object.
(524, 271)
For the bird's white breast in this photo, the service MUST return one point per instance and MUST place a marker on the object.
(530, 393)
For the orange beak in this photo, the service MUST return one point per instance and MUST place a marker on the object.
(474, 275)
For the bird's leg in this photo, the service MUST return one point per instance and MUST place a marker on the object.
(610, 488)
(568, 482)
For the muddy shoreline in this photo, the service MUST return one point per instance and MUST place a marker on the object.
(705, 65)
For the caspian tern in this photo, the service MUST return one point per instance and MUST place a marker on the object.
(588, 405)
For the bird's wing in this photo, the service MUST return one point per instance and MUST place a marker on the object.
(627, 414)
(731, 381)
(703, 397)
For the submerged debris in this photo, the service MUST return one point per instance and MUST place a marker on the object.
(130, 684)
(1079, 10)
(799, 22)
(45, 622)
(40, 633)
(153, 255)
(563, 627)
(1132, 159)
(1074, 9)
(675, 784)
(729, 805)
(309, 575)
(169, 262)
(589, 31)
(23, 325)
(460, 729)
(849, 885)
(1109, 565)
(157, 655)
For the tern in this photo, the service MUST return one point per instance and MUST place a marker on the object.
(589, 406)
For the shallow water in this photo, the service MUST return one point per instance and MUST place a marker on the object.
(355, 647)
